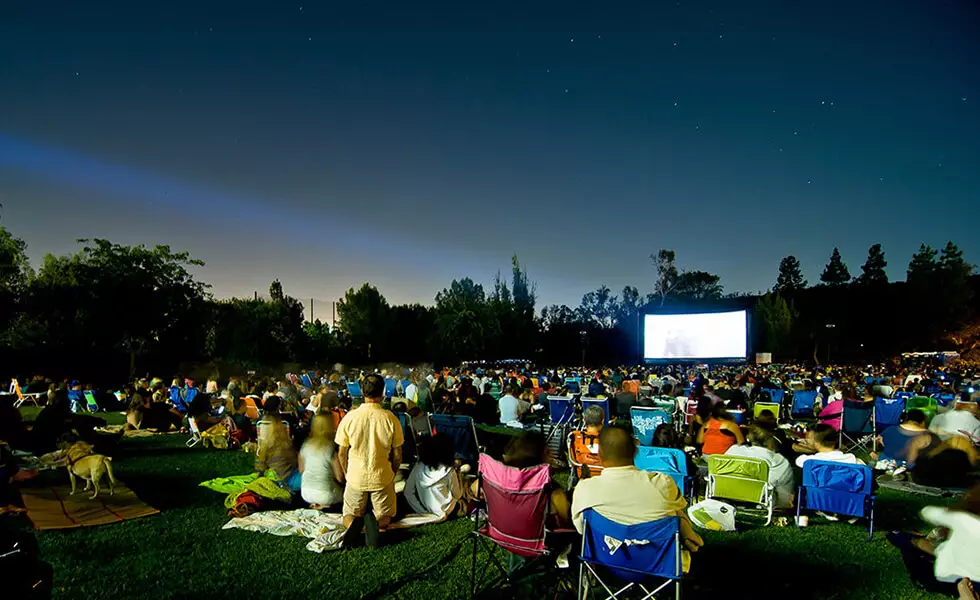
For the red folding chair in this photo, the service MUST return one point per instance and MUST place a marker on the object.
(517, 502)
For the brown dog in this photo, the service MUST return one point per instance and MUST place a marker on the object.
(82, 462)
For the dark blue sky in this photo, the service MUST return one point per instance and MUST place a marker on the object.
(410, 143)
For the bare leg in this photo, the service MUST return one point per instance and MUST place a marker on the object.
(561, 508)
(966, 590)
(71, 476)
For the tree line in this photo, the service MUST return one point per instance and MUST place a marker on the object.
(111, 310)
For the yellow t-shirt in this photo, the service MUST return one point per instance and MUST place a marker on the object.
(371, 432)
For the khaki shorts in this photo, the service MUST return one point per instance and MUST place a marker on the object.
(382, 501)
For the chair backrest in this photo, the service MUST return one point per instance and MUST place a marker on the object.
(602, 403)
(410, 449)
(888, 412)
(667, 403)
(405, 384)
(903, 395)
(633, 552)
(560, 409)
(517, 505)
(583, 451)
(772, 407)
(307, 381)
(944, 399)
(836, 487)
(737, 477)
(391, 386)
(776, 395)
(251, 408)
(90, 402)
(669, 461)
(645, 422)
(803, 402)
(574, 386)
(190, 395)
(463, 432)
(858, 417)
(632, 386)
(354, 389)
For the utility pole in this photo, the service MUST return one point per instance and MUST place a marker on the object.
(311, 310)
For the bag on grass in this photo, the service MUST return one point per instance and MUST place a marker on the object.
(713, 515)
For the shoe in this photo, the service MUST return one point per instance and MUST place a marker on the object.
(352, 537)
(371, 533)
(828, 516)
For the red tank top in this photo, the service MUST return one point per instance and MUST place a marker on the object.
(716, 440)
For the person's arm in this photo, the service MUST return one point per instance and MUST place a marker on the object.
(916, 446)
(940, 516)
(299, 461)
(396, 459)
(704, 427)
(342, 460)
(261, 458)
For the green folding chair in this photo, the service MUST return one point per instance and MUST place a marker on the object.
(741, 479)
(90, 402)
(929, 406)
(758, 407)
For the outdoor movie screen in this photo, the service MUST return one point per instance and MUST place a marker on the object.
(695, 336)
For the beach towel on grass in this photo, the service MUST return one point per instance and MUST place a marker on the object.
(56, 508)
(325, 529)
(265, 486)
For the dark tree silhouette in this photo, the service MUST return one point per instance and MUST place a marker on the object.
(835, 273)
(790, 278)
(873, 270)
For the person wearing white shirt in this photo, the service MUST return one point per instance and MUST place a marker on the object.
(410, 391)
(780, 471)
(959, 421)
(821, 444)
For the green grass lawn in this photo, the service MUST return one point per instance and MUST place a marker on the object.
(184, 553)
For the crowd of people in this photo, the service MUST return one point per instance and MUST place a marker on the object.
(340, 450)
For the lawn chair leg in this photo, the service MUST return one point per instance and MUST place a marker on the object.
(476, 548)
(871, 523)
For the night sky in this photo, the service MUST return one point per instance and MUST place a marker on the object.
(408, 143)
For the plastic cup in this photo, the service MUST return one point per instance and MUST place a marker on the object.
(803, 520)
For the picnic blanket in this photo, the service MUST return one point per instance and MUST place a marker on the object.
(886, 481)
(325, 529)
(56, 508)
(265, 486)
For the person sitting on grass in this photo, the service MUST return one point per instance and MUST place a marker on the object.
(821, 444)
(370, 439)
(761, 444)
(628, 496)
(275, 449)
(908, 437)
(434, 487)
(720, 432)
(319, 466)
(948, 560)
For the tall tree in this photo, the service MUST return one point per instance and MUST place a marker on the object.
(15, 268)
(524, 291)
(554, 315)
(873, 269)
(835, 273)
(954, 281)
(790, 278)
(364, 318)
(462, 319)
(923, 267)
(600, 307)
(776, 320)
(275, 291)
(698, 285)
(665, 263)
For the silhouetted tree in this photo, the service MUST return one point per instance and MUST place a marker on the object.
(923, 267)
(835, 273)
(667, 274)
(698, 285)
(776, 322)
(790, 278)
(873, 269)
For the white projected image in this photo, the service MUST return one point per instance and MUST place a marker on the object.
(703, 335)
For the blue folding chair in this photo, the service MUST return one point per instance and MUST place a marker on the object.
(354, 390)
(391, 386)
(77, 400)
(903, 395)
(463, 432)
(602, 403)
(669, 461)
(307, 381)
(857, 426)
(561, 409)
(944, 399)
(636, 554)
(189, 395)
(869, 381)
(574, 387)
(803, 402)
(405, 384)
(776, 395)
(888, 412)
(840, 488)
(645, 421)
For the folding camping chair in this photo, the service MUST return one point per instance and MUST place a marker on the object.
(561, 411)
(929, 406)
(602, 403)
(22, 397)
(741, 479)
(857, 426)
(903, 395)
(944, 399)
(77, 400)
(516, 510)
(803, 403)
(195, 438)
(391, 387)
(90, 402)
(583, 455)
(669, 461)
(463, 432)
(840, 488)
(772, 407)
(645, 421)
(888, 412)
(776, 395)
(307, 381)
(354, 390)
(634, 554)
(410, 450)
(177, 400)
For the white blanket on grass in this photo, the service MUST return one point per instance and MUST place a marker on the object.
(325, 529)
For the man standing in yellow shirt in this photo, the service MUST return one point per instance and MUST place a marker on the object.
(370, 443)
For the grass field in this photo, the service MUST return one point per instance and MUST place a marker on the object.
(183, 553)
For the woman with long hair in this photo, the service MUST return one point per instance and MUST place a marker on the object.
(275, 451)
(720, 433)
(319, 466)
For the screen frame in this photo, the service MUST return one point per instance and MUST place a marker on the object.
(699, 360)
